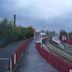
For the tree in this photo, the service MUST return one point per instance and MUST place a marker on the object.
(4, 26)
(5, 21)
(30, 32)
(62, 33)
(51, 33)
(70, 35)
(8, 30)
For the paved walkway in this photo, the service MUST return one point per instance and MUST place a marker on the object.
(32, 61)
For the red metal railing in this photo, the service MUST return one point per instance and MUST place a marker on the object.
(20, 51)
(68, 41)
(55, 60)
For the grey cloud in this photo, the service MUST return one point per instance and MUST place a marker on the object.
(25, 18)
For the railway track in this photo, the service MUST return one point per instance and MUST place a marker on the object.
(64, 49)
(59, 51)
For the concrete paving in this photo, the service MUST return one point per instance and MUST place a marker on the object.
(32, 61)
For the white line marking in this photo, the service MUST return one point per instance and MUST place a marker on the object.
(4, 59)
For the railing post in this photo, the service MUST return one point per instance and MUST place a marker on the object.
(14, 58)
(10, 65)
(70, 70)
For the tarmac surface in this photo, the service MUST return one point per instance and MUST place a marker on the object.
(5, 53)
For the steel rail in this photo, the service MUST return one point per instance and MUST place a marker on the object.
(59, 52)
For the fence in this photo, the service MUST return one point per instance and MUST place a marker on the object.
(68, 41)
(55, 60)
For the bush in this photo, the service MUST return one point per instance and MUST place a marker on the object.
(12, 32)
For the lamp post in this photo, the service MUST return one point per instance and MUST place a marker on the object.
(68, 36)
(34, 32)
(42, 35)
(41, 38)
(68, 39)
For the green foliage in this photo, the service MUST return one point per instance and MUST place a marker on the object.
(62, 33)
(4, 21)
(8, 30)
(51, 33)
(30, 32)
(70, 35)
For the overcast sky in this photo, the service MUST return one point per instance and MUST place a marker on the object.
(54, 14)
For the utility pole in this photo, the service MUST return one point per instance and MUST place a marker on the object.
(34, 32)
(14, 29)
